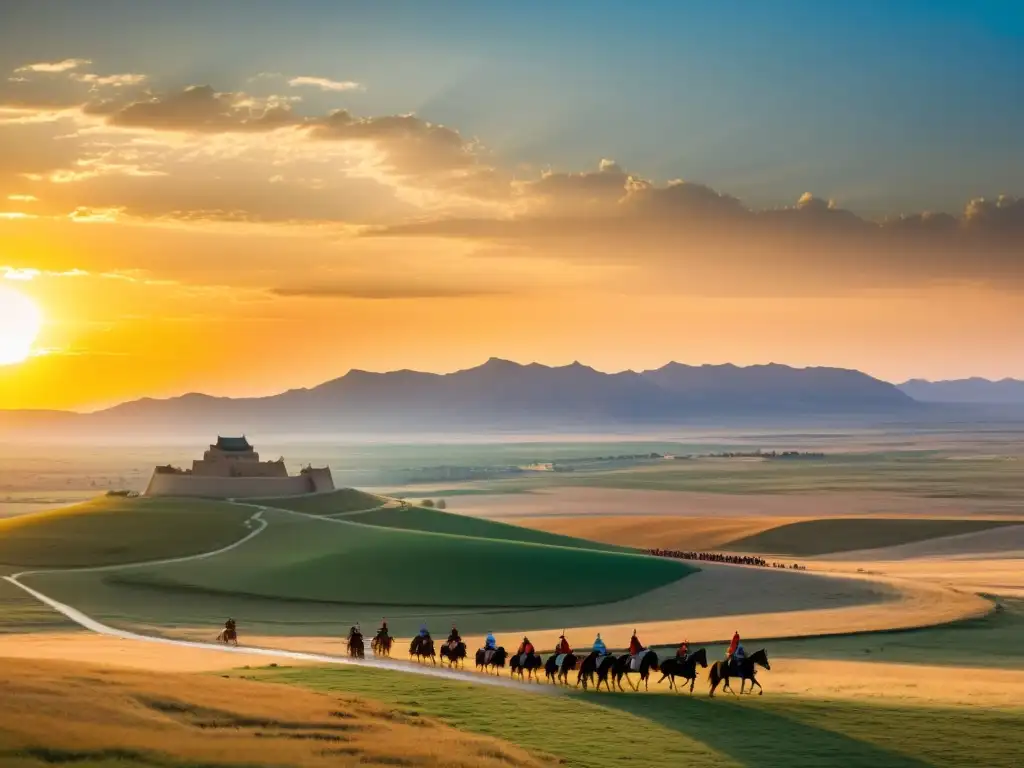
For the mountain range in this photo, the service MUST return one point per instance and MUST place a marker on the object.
(503, 395)
(974, 390)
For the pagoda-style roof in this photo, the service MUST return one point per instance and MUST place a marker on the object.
(233, 443)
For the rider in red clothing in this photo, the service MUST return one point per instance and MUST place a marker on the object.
(635, 646)
(525, 647)
(684, 651)
(563, 645)
(733, 645)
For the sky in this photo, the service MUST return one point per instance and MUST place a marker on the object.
(244, 197)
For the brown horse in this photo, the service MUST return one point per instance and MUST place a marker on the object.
(228, 636)
(381, 645)
(720, 673)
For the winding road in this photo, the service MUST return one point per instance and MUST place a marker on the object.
(92, 625)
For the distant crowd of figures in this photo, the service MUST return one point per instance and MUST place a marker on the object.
(718, 557)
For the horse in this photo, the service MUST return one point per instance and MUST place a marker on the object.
(553, 672)
(356, 647)
(381, 645)
(531, 663)
(595, 664)
(686, 669)
(422, 648)
(228, 636)
(720, 672)
(455, 655)
(496, 660)
(623, 664)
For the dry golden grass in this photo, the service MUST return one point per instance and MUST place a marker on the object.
(649, 531)
(60, 712)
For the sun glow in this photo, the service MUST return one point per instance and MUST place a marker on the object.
(20, 321)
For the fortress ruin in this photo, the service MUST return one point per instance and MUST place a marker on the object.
(231, 469)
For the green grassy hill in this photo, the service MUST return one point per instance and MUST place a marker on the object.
(334, 503)
(114, 530)
(827, 536)
(438, 521)
(344, 562)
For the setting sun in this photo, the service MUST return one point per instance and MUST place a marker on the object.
(20, 321)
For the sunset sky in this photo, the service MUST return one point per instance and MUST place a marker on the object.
(244, 197)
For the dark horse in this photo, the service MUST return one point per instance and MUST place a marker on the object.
(553, 672)
(228, 635)
(720, 673)
(595, 665)
(623, 666)
(673, 668)
(381, 644)
(422, 648)
(530, 664)
(356, 647)
(453, 656)
(496, 660)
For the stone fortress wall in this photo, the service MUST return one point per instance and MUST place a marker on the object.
(231, 469)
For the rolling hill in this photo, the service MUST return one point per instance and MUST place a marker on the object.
(335, 561)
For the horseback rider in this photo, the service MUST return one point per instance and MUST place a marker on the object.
(684, 651)
(635, 646)
(424, 633)
(599, 647)
(563, 646)
(230, 625)
(525, 648)
(454, 638)
(490, 644)
(733, 645)
(382, 631)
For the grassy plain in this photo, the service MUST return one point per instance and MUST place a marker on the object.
(662, 730)
(437, 521)
(343, 562)
(834, 534)
(114, 530)
(53, 713)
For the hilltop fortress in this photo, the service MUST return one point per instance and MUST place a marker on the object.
(231, 469)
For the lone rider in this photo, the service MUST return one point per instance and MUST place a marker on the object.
(230, 625)
(599, 647)
(684, 651)
(635, 646)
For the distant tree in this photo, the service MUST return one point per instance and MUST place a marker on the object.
(441, 504)
(427, 503)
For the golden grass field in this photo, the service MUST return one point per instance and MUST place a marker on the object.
(65, 712)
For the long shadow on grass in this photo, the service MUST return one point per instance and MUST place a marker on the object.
(753, 736)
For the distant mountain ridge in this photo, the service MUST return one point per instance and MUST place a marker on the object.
(501, 395)
(974, 390)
